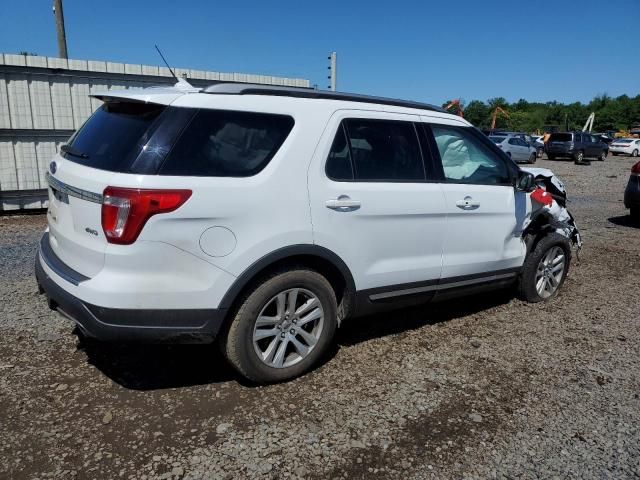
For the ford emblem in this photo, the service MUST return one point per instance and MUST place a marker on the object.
(53, 166)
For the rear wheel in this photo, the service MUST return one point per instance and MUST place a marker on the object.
(634, 153)
(533, 157)
(635, 214)
(545, 269)
(603, 156)
(540, 151)
(579, 157)
(551, 157)
(282, 327)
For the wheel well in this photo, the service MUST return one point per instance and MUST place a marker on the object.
(538, 228)
(341, 281)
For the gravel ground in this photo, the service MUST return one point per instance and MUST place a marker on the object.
(484, 388)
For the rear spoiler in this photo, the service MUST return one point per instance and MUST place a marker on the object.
(161, 95)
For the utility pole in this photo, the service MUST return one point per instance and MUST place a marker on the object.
(62, 37)
(333, 70)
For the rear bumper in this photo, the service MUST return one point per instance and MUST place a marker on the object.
(632, 192)
(112, 324)
(560, 152)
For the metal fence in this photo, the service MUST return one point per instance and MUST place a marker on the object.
(44, 99)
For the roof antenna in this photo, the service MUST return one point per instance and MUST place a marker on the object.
(166, 63)
(181, 83)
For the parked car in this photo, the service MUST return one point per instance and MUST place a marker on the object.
(632, 193)
(537, 141)
(576, 145)
(625, 146)
(265, 216)
(516, 148)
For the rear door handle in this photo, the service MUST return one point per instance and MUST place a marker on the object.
(343, 204)
(467, 203)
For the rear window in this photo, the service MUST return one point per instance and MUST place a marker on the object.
(560, 137)
(221, 143)
(109, 139)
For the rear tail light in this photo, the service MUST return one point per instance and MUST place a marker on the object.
(636, 169)
(126, 210)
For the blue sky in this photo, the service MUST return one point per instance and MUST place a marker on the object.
(540, 50)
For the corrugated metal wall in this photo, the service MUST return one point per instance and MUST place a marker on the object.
(44, 99)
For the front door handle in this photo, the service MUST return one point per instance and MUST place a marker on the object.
(467, 203)
(343, 204)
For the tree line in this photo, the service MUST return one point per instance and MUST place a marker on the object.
(612, 114)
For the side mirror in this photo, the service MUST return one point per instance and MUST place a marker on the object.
(526, 182)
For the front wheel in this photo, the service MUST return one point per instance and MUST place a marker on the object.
(635, 214)
(533, 157)
(634, 153)
(551, 157)
(545, 269)
(579, 157)
(603, 156)
(282, 327)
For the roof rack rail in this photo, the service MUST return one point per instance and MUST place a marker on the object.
(300, 92)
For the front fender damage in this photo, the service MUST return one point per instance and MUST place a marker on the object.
(549, 211)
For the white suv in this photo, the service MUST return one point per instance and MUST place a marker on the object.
(264, 216)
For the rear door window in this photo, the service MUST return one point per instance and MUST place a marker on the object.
(221, 143)
(384, 150)
(109, 139)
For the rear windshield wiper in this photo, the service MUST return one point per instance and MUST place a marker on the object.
(72, 151)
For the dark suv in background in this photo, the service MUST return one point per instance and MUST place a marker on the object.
(576, 145)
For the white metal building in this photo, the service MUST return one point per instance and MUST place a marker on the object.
(44, 99)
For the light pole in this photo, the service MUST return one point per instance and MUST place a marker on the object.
(62, 37)
(333, 70)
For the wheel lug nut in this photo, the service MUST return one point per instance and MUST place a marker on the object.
(282, 335)
(292, 331)
(295, 321)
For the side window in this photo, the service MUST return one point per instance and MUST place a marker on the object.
(219, 143)
(577, 138)
(513, 141)
(465, 159)
(384, 150)
(338, 165)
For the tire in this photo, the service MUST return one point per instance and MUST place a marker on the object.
(271, 299)
(551, 157)
(635, 214)
(579, 157)
(533, 157)
(531, 273)
(614, 154)
(540, 152)
(634, 153)
(602, 157)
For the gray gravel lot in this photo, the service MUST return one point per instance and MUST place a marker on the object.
(481, 388)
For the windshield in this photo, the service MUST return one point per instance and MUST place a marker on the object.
(108, 140)
(623, 141)
(495, 139)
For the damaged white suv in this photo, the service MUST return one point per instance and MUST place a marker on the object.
(265, 216)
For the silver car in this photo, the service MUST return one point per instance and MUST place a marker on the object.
(517, 148)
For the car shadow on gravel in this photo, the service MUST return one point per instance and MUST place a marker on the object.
(153, 367)
(361, 329)
(624, 221)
